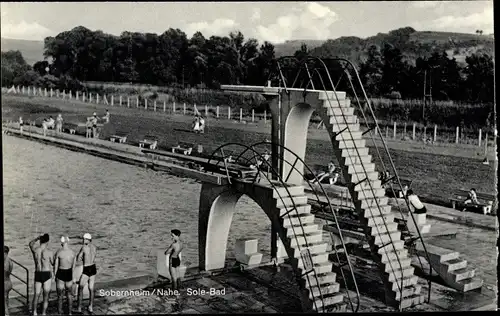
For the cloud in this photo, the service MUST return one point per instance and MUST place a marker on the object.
(220, 27)
(479, 20)
(426, 4)
(25, 30)
(308, 21)
(255, 15)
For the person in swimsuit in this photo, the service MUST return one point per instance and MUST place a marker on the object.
(21, 124)
(88, 252)
(196, 124)
(63, 270)
(174, 251)
(88, 126)
(59, 123)
(329, 173)
(106, 117)
(94, 125)
(202, 125)
(418, 207)
(44, 262)
(7, 271)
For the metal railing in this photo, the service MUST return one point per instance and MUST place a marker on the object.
(25, 281)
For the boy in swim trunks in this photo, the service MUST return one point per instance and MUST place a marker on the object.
(21, 124)
(175, 261)
(63, 270)
(88, 252)
(44, 262)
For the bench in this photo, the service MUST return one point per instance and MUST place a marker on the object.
(486, 201)
(183, 147)
(119, 136)
(149, 140)
(70, 127)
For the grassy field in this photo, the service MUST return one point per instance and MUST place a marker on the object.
(435, 175)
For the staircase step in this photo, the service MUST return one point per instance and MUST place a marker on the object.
(357, 177)
(355, 159)
(412, 300)
(294, 220)
(308, 228)
(395, 246)
(437, 254)
(339, 119)
(385, 238)
(301, 239)
(319, 268)
(377, 192)
(321, 278)
(329, 299)
(353, 127)
(345, 144)
(383, 229)
(373, 204)
(293, 190)
(395, 276)
(469, 284)
(349, 135)
(316, 258)
(339, 111)
(300, 209)
(325, 290)
(314, 247)
(352, 152)
(380, 216)
(286, 200)
(395, 265)
(392, 255)
(358, 168)
(408, 291)
(452, 265)
(462, 274)
(332, 95)
(407, 281)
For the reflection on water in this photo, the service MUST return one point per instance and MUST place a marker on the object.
(128, 210)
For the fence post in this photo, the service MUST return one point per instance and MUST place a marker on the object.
(253, 115)
(206, 110)
(51, 92)
(57, 92)
(480, 135)
(70, 95)
(22, 90)
(112, 100)
(394, 131)
(456, 136)
(413, 136)
(128, 102)
(45, 92)
(425, 132)
(164, 106)
(265, 116)
(217, 111)
(386, 132)
(228, 113)
(90, 97)
(435, 133)
(83, 97)
(486, 144)
(241, 115)
(173, 107)
(97, 99)
(121, 98)
(137, 102)
(195, 109)
(404, 131)
(77, 97)
(145, 104)
(29, 90)
(154, 105)
(184, 109)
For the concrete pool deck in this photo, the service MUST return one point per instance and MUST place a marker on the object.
(246, 293)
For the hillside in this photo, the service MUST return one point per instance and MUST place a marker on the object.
(290, 47)
(32, 50)
(412, 44)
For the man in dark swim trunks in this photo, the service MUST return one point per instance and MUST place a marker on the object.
(44, 262)
(63, 270)
(174, 251)
(88, 252)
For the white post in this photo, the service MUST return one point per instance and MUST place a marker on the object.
(77, 97)
(394, 131)
(173, 107)
(228, 113)
(184, 112)
(45, 92)
(57, 92)
(64, 94)
(386, 132)
(154, 105)
(128, 102)
(97, 99)
(265, 116)
(70, 95)
(404, 131)
(164, 106)
(83, 97)
(435, 133)
(206, 110)
(456, 136)
(241, 115)
(217, 111)
(486, 144)
(137, 102)
(376, 131)
(120, 100)
(480, 135)
(145, 104)
(90, 97)
(51, 92)
(253, 115)
(195, 109)
(22, 89)
(425, 132)
(414, 128)
(112, 100)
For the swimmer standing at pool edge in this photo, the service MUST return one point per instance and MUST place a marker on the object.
(175, 261)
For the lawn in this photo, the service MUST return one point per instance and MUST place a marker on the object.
(435, 176)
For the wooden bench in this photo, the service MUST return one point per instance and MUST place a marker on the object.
(486, 201)
(183, 147)
(119, 136)
(149, 140)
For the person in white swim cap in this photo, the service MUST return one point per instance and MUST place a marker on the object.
(63, 269)
(88, 252)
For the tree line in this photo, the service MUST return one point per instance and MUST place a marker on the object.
(172, 59)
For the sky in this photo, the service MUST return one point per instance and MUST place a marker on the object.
(266, 21)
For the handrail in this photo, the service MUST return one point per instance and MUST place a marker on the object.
(27, 282)
(294, 207)
(362, 165)
(297, 158)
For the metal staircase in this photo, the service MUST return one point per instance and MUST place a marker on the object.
(368, 196)
(302, 238)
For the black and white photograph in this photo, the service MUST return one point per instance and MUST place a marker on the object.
(249, 157)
